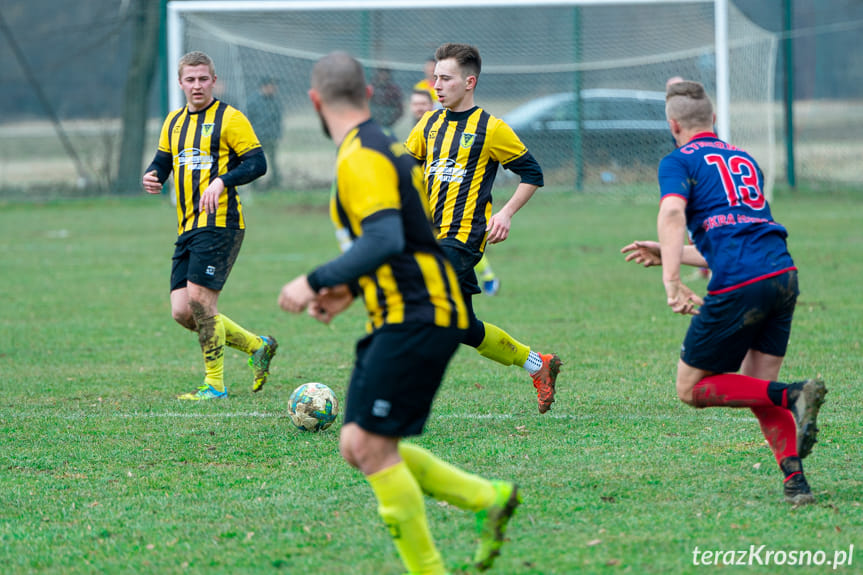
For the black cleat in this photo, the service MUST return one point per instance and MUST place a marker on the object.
(797, 490)
(805, 408)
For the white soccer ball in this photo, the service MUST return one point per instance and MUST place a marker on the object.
(313, 407)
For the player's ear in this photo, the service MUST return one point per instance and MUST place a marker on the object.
(369, 91)
(470, 82)
(315, 97)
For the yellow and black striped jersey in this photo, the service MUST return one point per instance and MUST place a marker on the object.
(204, 145)
(461, 152)
(375, 175)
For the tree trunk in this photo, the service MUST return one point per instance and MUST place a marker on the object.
(145, 24)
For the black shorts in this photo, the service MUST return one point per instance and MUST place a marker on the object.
(397, 372)
(205, 257)
(755, 316)
(463, 259)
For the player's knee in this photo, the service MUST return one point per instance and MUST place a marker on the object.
(347, 441)
(685, 393)
(184, 318)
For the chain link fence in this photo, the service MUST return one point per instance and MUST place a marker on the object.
(64, 73)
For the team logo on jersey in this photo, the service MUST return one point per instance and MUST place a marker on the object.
(446, 170)
(467, 140)
(207, 130)
(195, 159)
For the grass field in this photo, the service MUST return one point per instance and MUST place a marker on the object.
(103, 471)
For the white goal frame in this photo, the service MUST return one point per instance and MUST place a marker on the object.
(178, 7)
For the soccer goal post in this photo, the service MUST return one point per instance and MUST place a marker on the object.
(530, 49)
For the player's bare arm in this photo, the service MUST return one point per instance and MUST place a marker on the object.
(647, 253)
(500, 223)
(671, 229)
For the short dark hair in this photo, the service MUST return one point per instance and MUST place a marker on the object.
(339, 77)
(466, 55)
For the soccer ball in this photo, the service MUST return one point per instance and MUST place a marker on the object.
(313, 407)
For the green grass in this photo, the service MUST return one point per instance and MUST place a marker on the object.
(103, 471)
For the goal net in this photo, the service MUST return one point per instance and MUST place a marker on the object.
(579, 78)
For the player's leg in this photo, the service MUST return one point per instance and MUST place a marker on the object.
(786, 412)
(261, 349)
(396, 374)
(184, 312)
(211, 337)
(400, 501)
(490, 281)
(494, 502)
(211, 255)
(491, 341)
(180, 310)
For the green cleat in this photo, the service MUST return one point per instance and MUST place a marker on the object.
(204, 392)
(260, 361)
(491, 523)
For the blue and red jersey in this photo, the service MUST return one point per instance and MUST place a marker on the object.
(727, 215)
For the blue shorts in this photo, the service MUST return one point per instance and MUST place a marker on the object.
(755, 316)
(397, 372)
(205, 257)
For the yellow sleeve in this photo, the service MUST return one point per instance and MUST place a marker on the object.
(505, 144)
(239, 133)
(416, 142)
(367, 183)
(165, 136)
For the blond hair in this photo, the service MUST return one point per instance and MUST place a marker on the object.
(688, 103)
(195, 59)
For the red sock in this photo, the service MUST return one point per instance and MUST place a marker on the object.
(731, 390)
(780, 430)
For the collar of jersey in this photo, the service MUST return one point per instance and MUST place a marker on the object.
(202, 110)
(456, 116)
(702, 135)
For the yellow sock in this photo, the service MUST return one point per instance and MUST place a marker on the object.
(211, 335)
(240, 338)
(401, 506)
(446, 482)
(499, 346)
(483, 269)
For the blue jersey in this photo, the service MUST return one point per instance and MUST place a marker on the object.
(726, 212)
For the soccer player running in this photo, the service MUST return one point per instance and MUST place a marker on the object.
(212, 149)
(420, 103)
(715, 190)
(461, 147)
(416, 320)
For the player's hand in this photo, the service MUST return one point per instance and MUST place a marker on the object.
(330, 302)
(498, 228)
(296, 295)
(681, 299)
(151, 182)
(646, 253)
(210, 198)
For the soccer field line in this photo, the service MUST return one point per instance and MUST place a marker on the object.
(264, 415)
(701, 417)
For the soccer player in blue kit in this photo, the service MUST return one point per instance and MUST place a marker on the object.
(715, 191)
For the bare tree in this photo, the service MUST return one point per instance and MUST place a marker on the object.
(146, 19)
